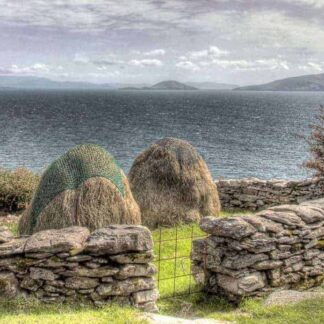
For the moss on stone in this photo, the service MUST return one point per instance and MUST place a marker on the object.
(320, 244)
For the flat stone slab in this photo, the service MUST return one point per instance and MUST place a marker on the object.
(57, 240)
(232, 227)
(13, 247)
(162, 319)
(117, 239)
(286, 218)
(290, 297)
(309, 214)
(318, 203)
(5, 234)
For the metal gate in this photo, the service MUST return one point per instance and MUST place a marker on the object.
(172, 249)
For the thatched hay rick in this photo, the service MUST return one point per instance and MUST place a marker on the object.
(84, 187)
(172, 184)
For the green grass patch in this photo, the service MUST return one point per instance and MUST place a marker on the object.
(12, 226)
(172, 247)
(32, 311)
(250, 311)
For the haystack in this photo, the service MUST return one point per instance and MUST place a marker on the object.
(84, 187)
(172, 184)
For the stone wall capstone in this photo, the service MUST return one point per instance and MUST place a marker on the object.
(110, 264)
(255, 194)
(252, 255)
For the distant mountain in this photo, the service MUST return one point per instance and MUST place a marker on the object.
(164, 85)
(313, 82)
(171, 85)
(212, 85)
(129, 86)
(28, 82)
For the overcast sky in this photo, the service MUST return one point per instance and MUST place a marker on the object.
(231, 41)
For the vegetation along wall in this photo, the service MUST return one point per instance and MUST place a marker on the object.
(252, 255)
(110, 264)
(256, 194)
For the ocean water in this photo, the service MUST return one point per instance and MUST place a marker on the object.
(240, 134)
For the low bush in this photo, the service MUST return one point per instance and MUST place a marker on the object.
(316, 145)
(16, 188)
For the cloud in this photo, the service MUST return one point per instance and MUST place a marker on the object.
(87, 15)
(309, 3)
(81, 58)
(104, 64)
(145, 62)
(104, 75)
(4, 71)
(316, 66)
(256, 65)
(312, 67)
(32, 69)
(36, 69)
(194, 60)
(152, 15)
(234, 40)
(212, 52)
(156, 52)
(235, 64)
(188, 65)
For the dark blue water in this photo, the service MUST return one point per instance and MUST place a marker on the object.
(240, 134)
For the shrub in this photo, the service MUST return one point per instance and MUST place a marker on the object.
(16, 188)
(316, 145)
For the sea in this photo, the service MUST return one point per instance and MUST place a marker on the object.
(239, 134)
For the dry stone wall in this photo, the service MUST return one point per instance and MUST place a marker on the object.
(256, 194)
(110, 264)
(252, 255)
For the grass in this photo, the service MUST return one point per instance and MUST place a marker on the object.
(172, 247)
(194, 305)
(12, 226)
(172, 250)
(32, 311)
(250, 311)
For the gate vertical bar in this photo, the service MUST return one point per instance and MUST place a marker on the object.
(190, 271)
(159, 258)
(175, 261)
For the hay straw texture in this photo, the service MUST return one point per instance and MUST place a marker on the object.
(172, 184)
(84, 187)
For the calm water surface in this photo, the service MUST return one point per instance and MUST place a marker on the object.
(240, 134)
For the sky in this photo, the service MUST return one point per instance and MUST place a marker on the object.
(146, 41)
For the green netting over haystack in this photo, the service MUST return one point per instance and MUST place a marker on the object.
(71, 170)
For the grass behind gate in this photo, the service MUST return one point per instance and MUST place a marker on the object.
(172, 247)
